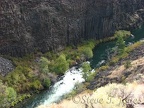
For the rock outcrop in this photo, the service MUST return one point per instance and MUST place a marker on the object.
(6, 66)
(43, 25)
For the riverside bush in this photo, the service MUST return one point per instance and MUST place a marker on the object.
(87, 51)
(121, 45)
(3, 96)
(43, 65)
(36, 85)
(61, 64)
(87, 74)
(22, 79)
(103, 68)
(11, 93)
(122, 33)
(91, 76)
(7, 95)
(47, 82)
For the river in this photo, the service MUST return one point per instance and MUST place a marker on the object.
(74, 75)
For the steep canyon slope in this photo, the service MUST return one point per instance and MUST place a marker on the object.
(43, 25)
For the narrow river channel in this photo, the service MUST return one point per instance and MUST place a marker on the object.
(74, 75)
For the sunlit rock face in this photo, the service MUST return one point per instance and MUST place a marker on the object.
(43, 25)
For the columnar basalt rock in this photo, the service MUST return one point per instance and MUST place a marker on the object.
(43, 25)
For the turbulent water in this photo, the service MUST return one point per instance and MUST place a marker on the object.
(64, 86)
(74, 75)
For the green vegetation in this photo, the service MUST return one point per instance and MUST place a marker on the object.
(122, 33)
(47, 82)
(87, 74)
(7, 95)
(114, 60)
(103, 68)
(133, 46)
(121, 45)
(87, 51)
(32, 71)
(61, 64)
(26, 79)
(127, 64)
(86, 70)
(43, 65)
(11, 93)
(124, 54)
(21, 79)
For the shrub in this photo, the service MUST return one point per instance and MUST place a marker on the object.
(124, 55)
(122, 33)
(114, 60)
(19, 75)
(91, 44)
(61, 64)
(127, 64)
(47, 82)
(103, 68)
(36, 85)
(90, 77)
(7, 95)
(86, 70)
(43, 65)
(121, 45)
(11, 93)
(71, 62)
(21, 79)
(86, 51)
(3, 96)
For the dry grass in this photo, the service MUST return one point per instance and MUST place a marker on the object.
(109, 96)
(120, 70)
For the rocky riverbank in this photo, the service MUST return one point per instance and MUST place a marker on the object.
(102, 78)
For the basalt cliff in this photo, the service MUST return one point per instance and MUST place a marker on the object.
(42, 25)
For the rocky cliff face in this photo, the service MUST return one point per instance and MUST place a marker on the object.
(43, 25)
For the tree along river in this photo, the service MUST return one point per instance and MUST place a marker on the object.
(74, 75)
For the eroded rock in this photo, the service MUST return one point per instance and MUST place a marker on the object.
(6, 66)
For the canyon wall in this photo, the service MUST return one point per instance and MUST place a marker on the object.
(42, 25)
